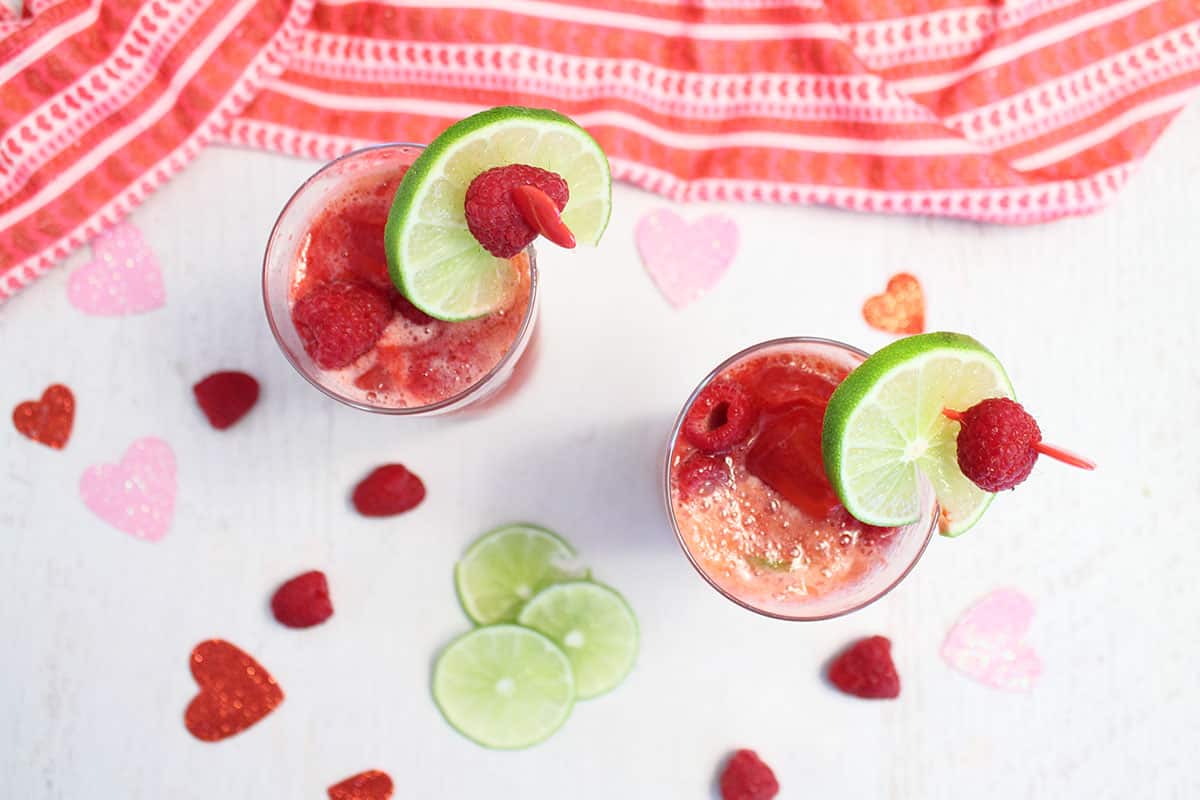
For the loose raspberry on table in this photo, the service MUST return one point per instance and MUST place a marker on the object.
(865, 669)
(226, 397)
(996, 444)
(303, 601)
(746, 777)
(492, 216)
(340, 321)
(722, 417)
(388, 490)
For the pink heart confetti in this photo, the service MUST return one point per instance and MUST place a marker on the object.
(986, 643)
(136, 496)
(123, 278)
(684, 260)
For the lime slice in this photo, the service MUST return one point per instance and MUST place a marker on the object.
(434, 259)
(504, 686)
(884, 426)
(505, 567)
(593, 625)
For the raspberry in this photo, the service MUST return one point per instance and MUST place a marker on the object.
(787, 457)
(700, 474)
(996, 444)
(303, 601)
(867, 534)
(349, 243)
(865, 669)
(370, 785)
(782, 385)
(406, 309)
(721, 417)
(226, 397)
(493, 217)
(340, 321)
(746, 777)
(388, 490)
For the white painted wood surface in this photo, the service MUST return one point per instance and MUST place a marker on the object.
(1096, 319)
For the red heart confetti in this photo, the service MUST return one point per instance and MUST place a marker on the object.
(900, 309)
(235, 692)
(389, 490)
(47, 421)
(369, 785)
(303, 601)
(226, 397)
(865, 669)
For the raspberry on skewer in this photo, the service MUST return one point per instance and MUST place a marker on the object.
(507, 207)
(999, 442)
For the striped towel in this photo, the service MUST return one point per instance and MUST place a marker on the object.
(1003, 112)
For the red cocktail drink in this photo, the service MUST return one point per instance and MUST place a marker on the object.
(343, 325)
(749, 498)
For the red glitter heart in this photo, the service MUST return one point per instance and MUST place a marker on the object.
(235, 692)
(47, 421)
(900, 309)
(369, 785)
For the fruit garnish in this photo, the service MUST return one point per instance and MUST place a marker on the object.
(506, 567)
(593, 625)
(226, 397)
(389, 490)
(746, 777)
(543, 214)
(340, 321)
(865, 669)
(504, 686)
(884, 430)
(436, 260)
(303, 601)
(787, 457)
(701, 474)
(505, 207)
(999, 442)
(720, 418)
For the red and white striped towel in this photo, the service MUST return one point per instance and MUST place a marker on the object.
(1018, 112)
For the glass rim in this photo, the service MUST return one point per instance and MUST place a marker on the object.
(448, 402)
(715, 372)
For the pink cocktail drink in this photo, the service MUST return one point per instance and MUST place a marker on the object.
(749, 498)
(343, 325)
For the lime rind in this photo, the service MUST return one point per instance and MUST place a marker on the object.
(507, 566)
(505, 687)
(884, 430)
(432, 256)
(594, 626)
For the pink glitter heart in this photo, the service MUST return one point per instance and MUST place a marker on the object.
(123, 278)
(684, 260)
(138, 495)
(986, 642)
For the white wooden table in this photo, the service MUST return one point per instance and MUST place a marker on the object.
(1095, 318)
